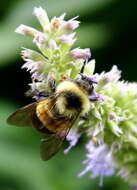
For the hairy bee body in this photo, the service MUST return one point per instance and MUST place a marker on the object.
(56, 112)
(55, 115)
(49, 116)
(73, 99)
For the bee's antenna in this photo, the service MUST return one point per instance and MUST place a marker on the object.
(83, 67)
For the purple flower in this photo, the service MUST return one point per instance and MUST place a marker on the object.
(71, 24)
(40, 39)
(78, 53)
(90, 78)
(27, 30)
(109, 77)
(73, 138)
(35, 63)
(57, 22)
(64, 26)
(35, 69)
(68, 38)
(99, 161)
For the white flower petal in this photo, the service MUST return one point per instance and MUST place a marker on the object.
(27, 30)
(42, 16)
(78, 53)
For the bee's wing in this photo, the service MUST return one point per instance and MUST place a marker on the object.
(51, 143)
(23, 116)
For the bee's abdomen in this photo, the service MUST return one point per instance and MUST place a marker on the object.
(39, 125)
(45, 113)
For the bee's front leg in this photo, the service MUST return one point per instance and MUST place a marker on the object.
(51, 82)
(93, 97)
(52, 85)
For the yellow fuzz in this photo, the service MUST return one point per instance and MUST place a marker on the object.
(71, 86)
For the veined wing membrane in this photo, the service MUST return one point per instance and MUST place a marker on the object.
(23, 116)
(51, 143)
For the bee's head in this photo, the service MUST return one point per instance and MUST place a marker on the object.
(86, 82)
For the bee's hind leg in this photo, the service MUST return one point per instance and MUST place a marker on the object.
(39, 126)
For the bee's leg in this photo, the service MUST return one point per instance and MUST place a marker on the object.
(41, 95)
(83, 67)
(85, 117)
(93, 97)
(36, 94)
(51, 82)
(39, 126)
(43, 129)
(52, 85)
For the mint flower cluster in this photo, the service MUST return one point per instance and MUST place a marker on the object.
(57, 58)
(111, 124)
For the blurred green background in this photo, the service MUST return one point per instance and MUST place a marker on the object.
(109, 28)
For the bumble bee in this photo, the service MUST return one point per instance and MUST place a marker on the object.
(55, 115)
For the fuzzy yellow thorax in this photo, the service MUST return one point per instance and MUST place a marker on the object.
(71, 86)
